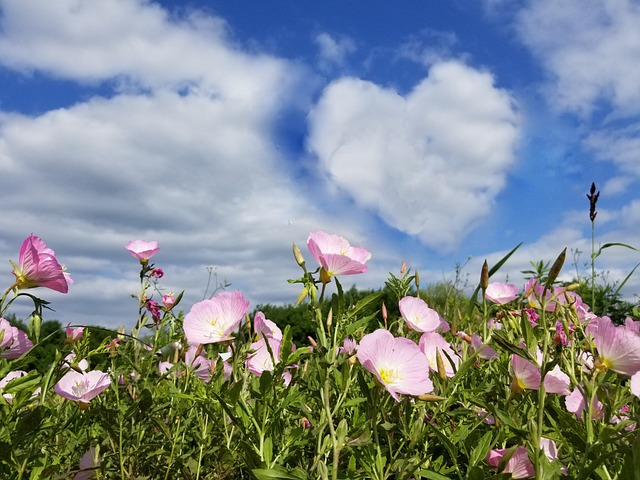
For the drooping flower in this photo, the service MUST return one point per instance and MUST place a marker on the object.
(618, 347)
(261, 360)
(142, 249)
(336, 256)
(82, 387)
(432, 344)
(261, 325)
(397, 363)
(519, 465)
(501, 293)
(154, 309)
(418, 315)
(213, 320)
(38, 267)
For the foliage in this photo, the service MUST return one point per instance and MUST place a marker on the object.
(317, 410)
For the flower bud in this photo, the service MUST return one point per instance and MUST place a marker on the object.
(302, 296)
(442, 373)
(484, 276)
(297, 254)
(417, 279)
(429, 397)
(556, 267)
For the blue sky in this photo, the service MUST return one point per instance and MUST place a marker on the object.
(439, 133)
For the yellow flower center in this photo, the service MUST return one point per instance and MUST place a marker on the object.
(388, 375)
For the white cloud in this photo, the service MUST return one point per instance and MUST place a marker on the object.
(186, 156)
(590, 51)
(590, 48)
(430, 163)
(334, 50)
(136, 43)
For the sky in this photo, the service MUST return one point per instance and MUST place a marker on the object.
(436, 133)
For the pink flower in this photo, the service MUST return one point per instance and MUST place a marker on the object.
(142, 249)
(349, 347)
(519, 465)
(10, 376)
(556, 381)
(431, 344)
(335, 255)
(82, 387)
(263, 326)
(213, 320)
(38, 267)
(260, 360)
(484, 350)
(575, 404)
(156, 273)
(418, 315)
(74, 334)
(154, 309)
(397, 363)
(525, 375)
(201, 366)
(618, 347)
(501, 293)
(164, 367)
(19, 345)
(634, 384)
(168, 300)
(6, 333)
(89, 463)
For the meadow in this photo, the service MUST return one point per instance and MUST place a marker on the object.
(515, 381)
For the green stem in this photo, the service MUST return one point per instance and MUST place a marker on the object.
(332, 430)
(593, 266)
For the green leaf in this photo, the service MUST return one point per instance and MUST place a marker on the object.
(267, 450)
(431, 475)
(614, 244)
(480, 451)
(364, 302)
(275, 473)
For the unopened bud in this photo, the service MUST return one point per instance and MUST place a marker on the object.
(302, 296)
(330, 318)
(384, 313)
(403, 268)
(440, 362)
(573, 287)
(312, 342)
(297, 254)
(428, 397)
(417, 279)
(556, 267)
(305, 423)
(484, 276)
